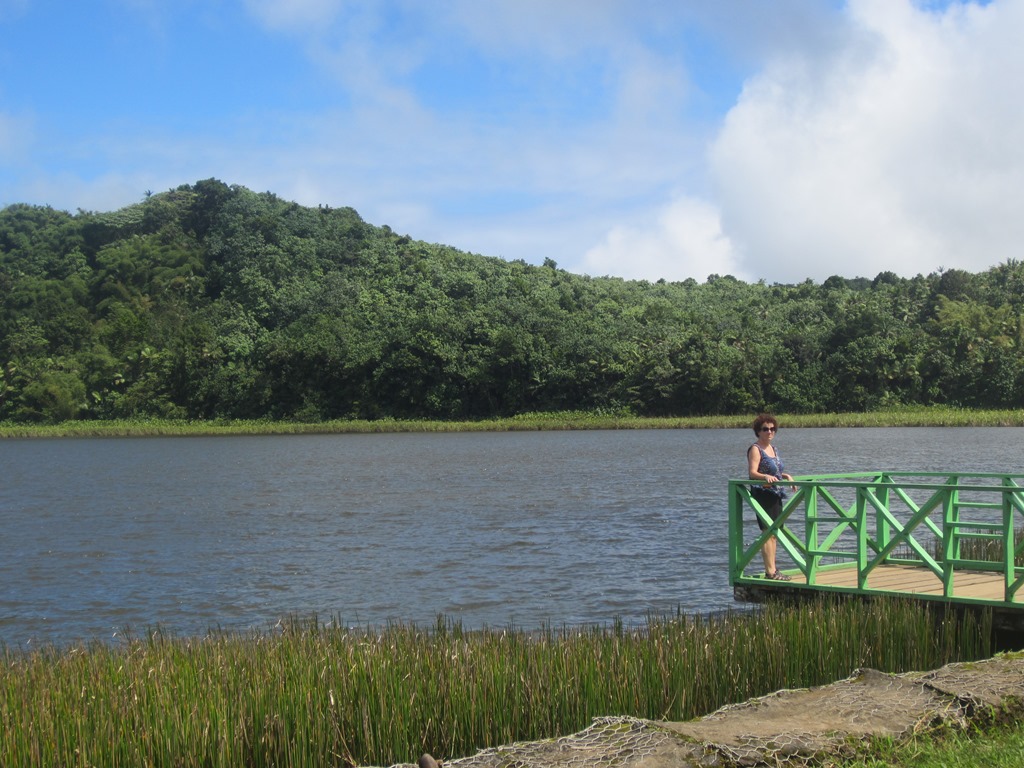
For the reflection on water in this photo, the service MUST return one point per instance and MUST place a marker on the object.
(488, 529)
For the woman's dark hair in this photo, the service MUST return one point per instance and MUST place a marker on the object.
(762, 419)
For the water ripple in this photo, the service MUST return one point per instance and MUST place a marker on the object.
(524, 529)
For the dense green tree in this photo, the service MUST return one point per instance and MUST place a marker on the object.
(213, 301)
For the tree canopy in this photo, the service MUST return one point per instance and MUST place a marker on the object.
(213, 301)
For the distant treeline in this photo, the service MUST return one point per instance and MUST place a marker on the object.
(214, 302)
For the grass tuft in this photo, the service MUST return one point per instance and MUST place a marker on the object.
(920, 416)
(316, 694)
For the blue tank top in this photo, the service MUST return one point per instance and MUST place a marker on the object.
(770, 465)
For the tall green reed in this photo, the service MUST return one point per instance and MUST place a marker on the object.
(563, 420)
(987, 550)
(316, 695)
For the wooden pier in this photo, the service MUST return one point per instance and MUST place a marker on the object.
(955, 539)
(907, 580)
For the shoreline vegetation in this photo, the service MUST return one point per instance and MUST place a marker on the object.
(931, 416)
(308, 693)
(213, 301)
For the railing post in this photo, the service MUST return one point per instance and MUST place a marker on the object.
(1011, 494)
(950, 536)
(861, 510)
(1009, 547)
(735, 531)
(811, 516)
(883, 530)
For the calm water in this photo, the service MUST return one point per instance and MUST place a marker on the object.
(100, 536)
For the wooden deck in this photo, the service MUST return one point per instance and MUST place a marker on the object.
(911, 580)
(970, 587)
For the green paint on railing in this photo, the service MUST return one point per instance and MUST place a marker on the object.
(944, 523)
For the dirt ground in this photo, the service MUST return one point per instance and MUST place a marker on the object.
(789, 727)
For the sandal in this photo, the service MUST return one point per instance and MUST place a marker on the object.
(777, 576)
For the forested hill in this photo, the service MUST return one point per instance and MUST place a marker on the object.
(210, 301)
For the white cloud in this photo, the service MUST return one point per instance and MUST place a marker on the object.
(295, 14)
(555, 30)
(69, 192)
(444, 174)
(899, 151)
(873, 137)
(15, 137)
(683, 240)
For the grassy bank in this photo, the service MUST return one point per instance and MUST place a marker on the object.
(998, 743)
(570, 420)
(315, 695)
(994, 736)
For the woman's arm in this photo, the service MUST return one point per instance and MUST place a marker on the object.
(753, 462)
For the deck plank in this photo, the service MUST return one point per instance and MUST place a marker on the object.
(907, 579)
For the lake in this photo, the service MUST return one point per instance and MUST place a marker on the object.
(106, 536)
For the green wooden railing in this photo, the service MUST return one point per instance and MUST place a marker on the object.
(943, 522)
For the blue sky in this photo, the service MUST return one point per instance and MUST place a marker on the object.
(780, 140)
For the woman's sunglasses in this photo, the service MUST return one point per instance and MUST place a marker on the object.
(769, 429)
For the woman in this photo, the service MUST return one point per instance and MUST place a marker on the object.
(764, 464)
